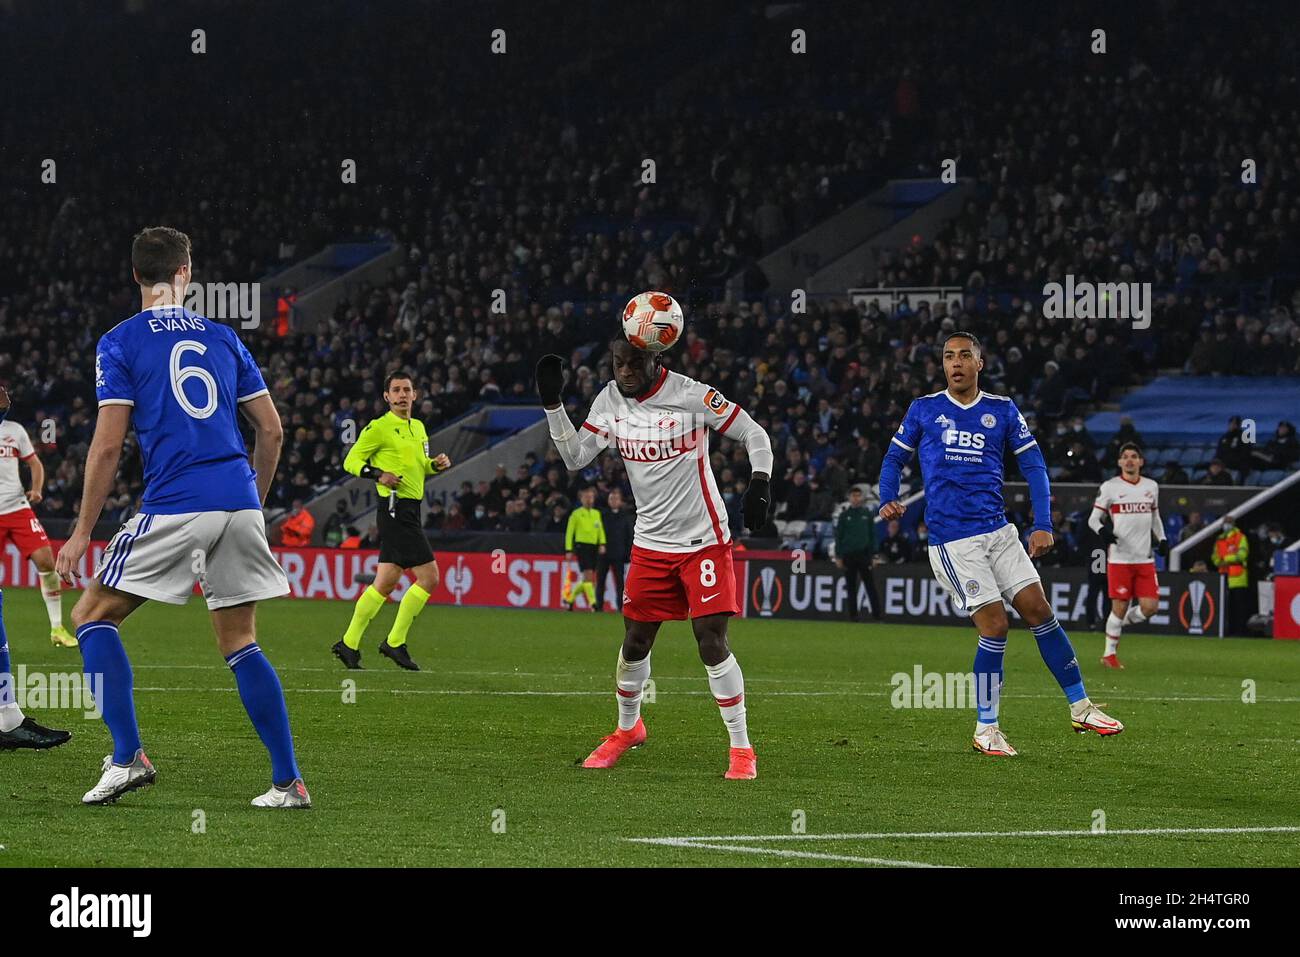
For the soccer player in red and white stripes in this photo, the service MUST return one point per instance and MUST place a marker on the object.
(681, 567)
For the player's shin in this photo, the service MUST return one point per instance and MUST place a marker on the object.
(263, 698)
(1058, 654)
(366, 608)
(10, 715)
(630, 678)
(408, 610)
(988, 680)
(727, 684)
(52, 592)
(108, 674)
(1114, 629)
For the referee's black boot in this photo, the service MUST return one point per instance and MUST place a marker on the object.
(399, 655)
(351, 657)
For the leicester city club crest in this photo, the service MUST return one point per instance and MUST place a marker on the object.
(988, 421)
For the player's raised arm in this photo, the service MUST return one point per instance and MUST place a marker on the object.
(902, 446)
(268, 437)
(1034, 469)
(576, 449)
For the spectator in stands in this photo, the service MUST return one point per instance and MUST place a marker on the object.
(1231, 557)
(895, 549)
(371, 538)
(1231, 450)
(436, 519)
(1272, 541)
(1080, 465)
(1281, 452)
(1127, 432)
(855, 540)
(619, 524)
(455, 519)
(1174, 474)
(797, 497)
(921, 547)
(296, 529)
(336, 525)
(1216, 474)
(820, 502)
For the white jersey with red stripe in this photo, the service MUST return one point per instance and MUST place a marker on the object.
(662, 437)
(1134, 510)
(15, 444)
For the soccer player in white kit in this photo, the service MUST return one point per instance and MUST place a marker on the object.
(19, 524)
(681, 567)
(1132, 501)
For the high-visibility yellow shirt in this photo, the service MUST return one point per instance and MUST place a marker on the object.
(585, 528)
(393, 444)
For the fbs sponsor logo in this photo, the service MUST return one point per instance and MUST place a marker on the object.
(77, 910)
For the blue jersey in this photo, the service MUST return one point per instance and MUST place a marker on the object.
(962, 451)
(184, 376)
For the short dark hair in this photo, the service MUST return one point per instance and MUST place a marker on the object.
(974, 340)
(397, 374)
(1131, 445)
(157, 252)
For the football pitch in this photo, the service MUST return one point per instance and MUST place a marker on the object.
(474, 760)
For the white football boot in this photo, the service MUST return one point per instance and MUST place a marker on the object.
(991, 740)
(118, 779)
(293, 796)
(1086, 716)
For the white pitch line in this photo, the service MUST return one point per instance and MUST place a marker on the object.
(777, 852)
(948, 835)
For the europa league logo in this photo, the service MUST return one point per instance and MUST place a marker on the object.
(767, 592)
(459, 579)
(1197, 596)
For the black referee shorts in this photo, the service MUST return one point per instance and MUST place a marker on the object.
(402, 541)
(587, 556)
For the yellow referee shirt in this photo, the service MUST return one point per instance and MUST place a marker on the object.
(393, 444)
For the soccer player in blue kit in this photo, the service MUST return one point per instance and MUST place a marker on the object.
(961, 434)
(182, 379)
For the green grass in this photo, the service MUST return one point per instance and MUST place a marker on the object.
(510, 701)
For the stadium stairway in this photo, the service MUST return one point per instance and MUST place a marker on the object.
(839, 252)
(323, 278)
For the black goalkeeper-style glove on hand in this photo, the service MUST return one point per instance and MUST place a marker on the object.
(1162, 547)
(550, 379)
(755, 503)
(1107, 535)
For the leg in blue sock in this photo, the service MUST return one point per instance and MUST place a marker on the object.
(108, 674)
(259, 689)
(988, 677)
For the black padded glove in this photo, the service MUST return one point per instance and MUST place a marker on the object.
(1162, 547)
(550, 379)
(755, 503)
(1107, 535)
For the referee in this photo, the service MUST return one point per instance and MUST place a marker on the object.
(584, 538)
(394, 451)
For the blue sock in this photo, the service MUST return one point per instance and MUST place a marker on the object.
(1058, 654)
(988, 677)
(259, 689)
(108, 673)
(8, 693)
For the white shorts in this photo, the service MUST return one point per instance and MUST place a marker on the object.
(160, 557)
(983, 568)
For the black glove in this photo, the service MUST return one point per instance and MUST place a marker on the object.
(755, 503)
(550, 378)
(1107, 535)
(1162, 547)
